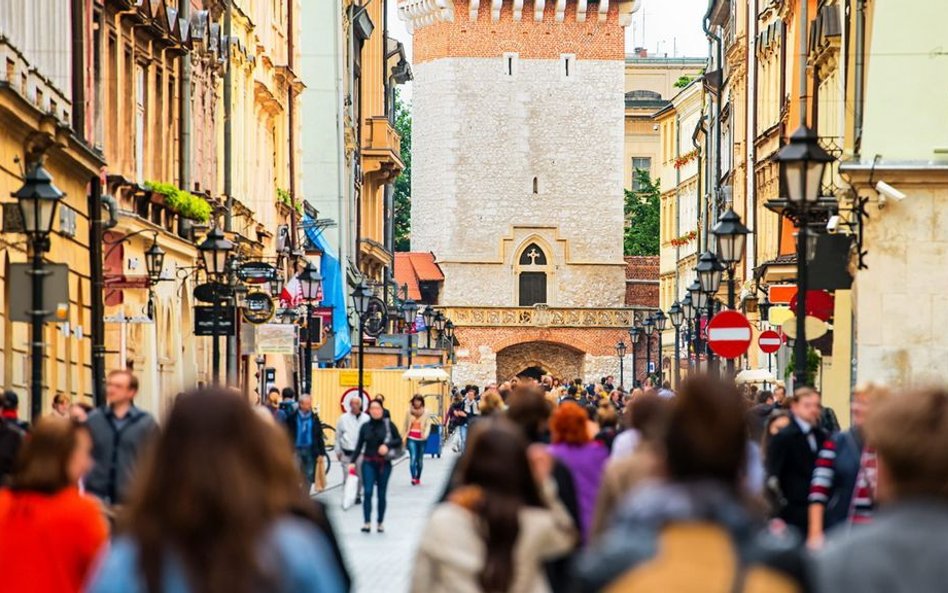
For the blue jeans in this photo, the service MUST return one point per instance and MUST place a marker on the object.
(462, 436)
(416, 450)
(307, 461)
(374, 472)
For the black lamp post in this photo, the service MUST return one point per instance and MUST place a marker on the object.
(428, 315)
(675, 315)
(688, 309)
(214, 251)
(620, 352)
(409, 311)
(154, 262)
(763, 311)
(449, 334)
(802, 162)
(361, 295)
(661, 322)
(699, 299)
(310, 283)
(731, 236)
(38, 199)
(439, 322)
(276, 286)
(634, 333)
(648, 328)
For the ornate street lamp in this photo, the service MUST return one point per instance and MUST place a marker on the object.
(428, 315)
(709, 271)
(648, 329)
(361, 296)
(690, 311)
(802, 164)
(154, 262)
(635, 332)
(676, 316)
(620, 352)
(214, 251)
(311, 283)
(276, 285)
(449, 333)
(661, 321)
(731, 236)
(439, 321)
(409, 310)
(38, 199)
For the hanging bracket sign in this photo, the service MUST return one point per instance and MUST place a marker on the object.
(256, 272)
(258, 308)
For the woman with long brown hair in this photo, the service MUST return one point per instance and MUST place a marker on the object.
(416, 428)
(49, 532)
(499, 524)
(218, 508)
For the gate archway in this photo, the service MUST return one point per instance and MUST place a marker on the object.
(526, 358)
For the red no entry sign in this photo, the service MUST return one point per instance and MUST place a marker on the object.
(770, 341)
(729, 334)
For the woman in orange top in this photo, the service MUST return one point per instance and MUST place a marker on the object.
(51, 533)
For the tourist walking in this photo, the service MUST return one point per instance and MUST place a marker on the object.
(585, 458)
(50, 532)
(9, 410)
(211, 512)
(416, 428)
(501, 522)
(465, 414)
(347, 435)
(791, 457)
(11, 439)
(377, 445)
(689, 533)
(904, 549)
(60, 405)
(844, 484)
(306, 434)
(120, 433)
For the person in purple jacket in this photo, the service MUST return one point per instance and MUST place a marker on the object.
(584, 457)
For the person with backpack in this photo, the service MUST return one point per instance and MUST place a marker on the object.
(11, 436)
(120, 433)
(379, 442)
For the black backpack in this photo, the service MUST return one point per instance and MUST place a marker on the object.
(11, 439)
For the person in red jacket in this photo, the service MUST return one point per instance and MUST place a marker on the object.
(51, 532)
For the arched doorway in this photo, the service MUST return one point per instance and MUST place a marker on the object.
(535, 359)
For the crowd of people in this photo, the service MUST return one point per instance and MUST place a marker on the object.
(557, 488)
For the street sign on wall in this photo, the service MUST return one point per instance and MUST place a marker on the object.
(729, 334)
(55, 292)
(770, 341)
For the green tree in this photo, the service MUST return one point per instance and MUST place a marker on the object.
(402, 192)
(683, 81)
(642, 216)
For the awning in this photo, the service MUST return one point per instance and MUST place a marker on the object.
(755, 376)
(426, 374)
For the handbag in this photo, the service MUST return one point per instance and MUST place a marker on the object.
(350, 489)
(395, 452)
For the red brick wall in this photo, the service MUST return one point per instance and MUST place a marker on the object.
(547, 39)
(641, 286)
(594, 341)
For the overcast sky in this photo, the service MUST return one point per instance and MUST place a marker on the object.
(670, 27)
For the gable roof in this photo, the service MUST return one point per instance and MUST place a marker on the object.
(413, 268)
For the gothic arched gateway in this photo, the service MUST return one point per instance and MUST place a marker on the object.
(554, 359)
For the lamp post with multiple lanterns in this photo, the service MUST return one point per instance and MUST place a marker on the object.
(409, 310)
(731, 236)
(361, 295)
(648, 328)
(675, 315)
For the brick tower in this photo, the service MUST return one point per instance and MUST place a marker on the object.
(517, 179)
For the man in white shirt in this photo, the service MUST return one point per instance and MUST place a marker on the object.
(347, 435)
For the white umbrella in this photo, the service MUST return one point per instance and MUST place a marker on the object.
(426, 374)
(755, 376)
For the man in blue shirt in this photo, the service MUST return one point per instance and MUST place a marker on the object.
(306, 433)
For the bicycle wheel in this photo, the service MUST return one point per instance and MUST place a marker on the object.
(329, 436)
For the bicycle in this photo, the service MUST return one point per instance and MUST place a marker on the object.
(329, 440)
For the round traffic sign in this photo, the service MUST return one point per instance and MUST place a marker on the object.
(729, 334)
(770, 341)
(350, 394)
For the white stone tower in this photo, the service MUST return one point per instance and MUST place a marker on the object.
(517, 178)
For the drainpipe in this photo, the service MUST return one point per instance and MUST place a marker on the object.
(184, 109)
(291, 122)
(859, 74)
(97, 278)
(79, 65)
(232, 354)
(717, 117)
(343, 184)
(804, 22)
(678, 202)
(750, 254)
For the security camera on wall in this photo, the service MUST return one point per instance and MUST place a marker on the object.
(887, 192)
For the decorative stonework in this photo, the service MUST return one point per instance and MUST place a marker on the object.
(539, 316)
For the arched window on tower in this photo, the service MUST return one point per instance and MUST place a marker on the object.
(532, 277)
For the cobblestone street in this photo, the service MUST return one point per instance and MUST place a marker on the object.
(381, 563)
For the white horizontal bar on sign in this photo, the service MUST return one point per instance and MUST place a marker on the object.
(771, 342)
(729, 334)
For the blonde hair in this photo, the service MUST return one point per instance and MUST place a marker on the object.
(491, 402)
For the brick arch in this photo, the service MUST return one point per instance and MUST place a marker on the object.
(556, 359)
(577, 340)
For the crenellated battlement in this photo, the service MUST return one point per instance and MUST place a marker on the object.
(532, 29)
(422, 13)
